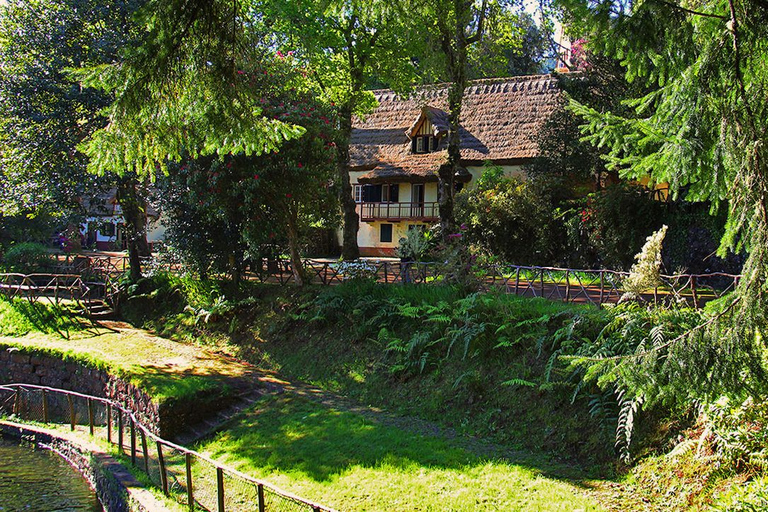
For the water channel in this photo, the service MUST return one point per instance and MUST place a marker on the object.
(35, 479)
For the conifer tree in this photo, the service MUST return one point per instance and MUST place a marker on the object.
(702, 129)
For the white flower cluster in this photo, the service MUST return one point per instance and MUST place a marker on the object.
(645, 273)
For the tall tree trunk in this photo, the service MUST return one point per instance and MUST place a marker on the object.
(132, 201)
(454, 43)
(293, 245)
(448, 171)
(455, 48)
(350, 250)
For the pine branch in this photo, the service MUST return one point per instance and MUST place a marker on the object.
(668, 343)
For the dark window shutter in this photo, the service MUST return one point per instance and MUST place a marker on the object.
(394, 193)
(413, 144)
(375, 193)
(367, 194)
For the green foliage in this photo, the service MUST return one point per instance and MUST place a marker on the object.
(44, 113)
(417, 245)
(700, 127)
(508, 218)
(420, 329)
(748, 497)
(179, 89)
(27, 258)
(613, 225)
(740, 432)
(150, 298)
(220, 211)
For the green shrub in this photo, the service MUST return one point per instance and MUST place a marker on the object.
(612, 225)
(508, 218)
(741, 431)
(751, 497)
(27, 258)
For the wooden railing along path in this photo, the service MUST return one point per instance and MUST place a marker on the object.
(189, 477)
(568, 285)
(564, 284)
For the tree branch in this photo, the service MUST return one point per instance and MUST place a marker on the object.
(480, 25)
(692, 12)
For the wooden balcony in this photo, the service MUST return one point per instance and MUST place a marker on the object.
(370, 212)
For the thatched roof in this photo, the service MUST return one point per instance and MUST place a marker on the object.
(499, 122)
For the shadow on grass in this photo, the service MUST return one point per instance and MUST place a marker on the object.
(294, 435)
(25, 315)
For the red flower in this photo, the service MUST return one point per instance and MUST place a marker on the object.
(288, 195)
(255, 176)
(300, 166)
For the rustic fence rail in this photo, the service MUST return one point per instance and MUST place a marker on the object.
(182, 474)
(99, 277)
(568, 285)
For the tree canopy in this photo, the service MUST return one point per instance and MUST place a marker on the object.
(180, 88)
(44, 113)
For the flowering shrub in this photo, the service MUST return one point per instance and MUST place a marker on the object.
(357, 270)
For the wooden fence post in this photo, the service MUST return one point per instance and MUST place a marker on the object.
(120, 430)
(567, 286)
(262, 503)
(109, 423)
(144, 451)
(90, 416)
(46, 416)
(133, 441)
(220, 488)
(602, 286)
(517, 280)
(695, 295)
(71, 412)
(190, 494)
(161, 463)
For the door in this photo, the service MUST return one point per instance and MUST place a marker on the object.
(417, 200)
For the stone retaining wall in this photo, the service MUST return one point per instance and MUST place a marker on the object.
(166, 419)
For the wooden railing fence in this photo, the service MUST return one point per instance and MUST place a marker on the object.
(99, 277)
(187, 476)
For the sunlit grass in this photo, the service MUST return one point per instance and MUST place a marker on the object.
(353, 463)
(162, 368)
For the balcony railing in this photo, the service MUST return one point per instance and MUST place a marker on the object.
(398, 211)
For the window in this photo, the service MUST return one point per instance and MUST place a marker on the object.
(385, 235)
(388, 193)
(424, 144)
(107, 229)
(358, 193)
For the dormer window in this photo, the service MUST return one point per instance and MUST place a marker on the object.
(425, 144)
(425, 132)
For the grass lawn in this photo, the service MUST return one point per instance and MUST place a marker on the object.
(164, 369)
(348, 462)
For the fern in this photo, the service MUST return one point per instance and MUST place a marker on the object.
(519, 383)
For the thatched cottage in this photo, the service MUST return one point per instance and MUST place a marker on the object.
(396, 150)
